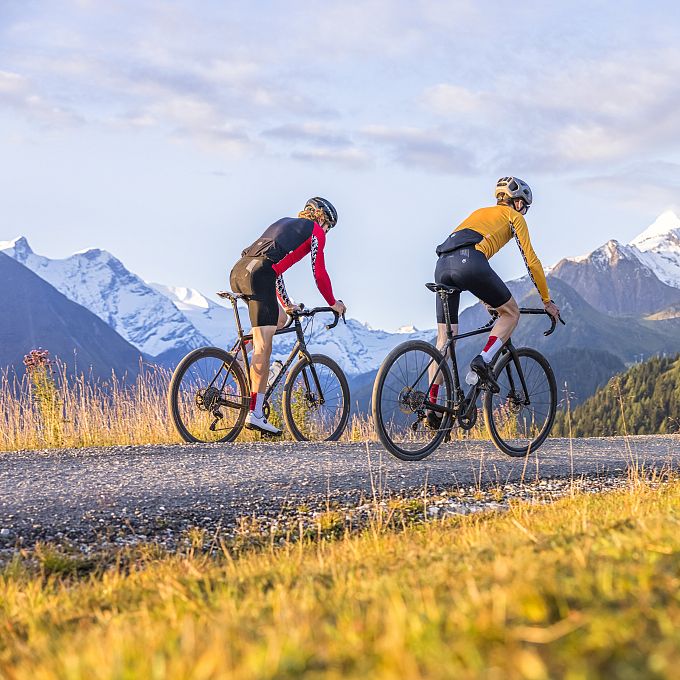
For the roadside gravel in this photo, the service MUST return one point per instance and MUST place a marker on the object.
(96, 498)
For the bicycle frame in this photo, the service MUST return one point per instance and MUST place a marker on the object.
(453, 407)
(293, 325)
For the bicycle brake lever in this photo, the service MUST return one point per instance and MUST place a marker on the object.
(335, 322)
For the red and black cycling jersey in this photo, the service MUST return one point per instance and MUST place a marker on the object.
(286, 242)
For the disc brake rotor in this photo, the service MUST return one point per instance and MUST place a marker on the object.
(514, 403)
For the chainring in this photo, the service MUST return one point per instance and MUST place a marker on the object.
(467, 418)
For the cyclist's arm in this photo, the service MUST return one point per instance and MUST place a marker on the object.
(533, 264)
(323, 281)
(281, 293)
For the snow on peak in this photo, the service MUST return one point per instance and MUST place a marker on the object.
(659, 248)
(183, 296)
(18, 246)
(99, 282)
(665, 229)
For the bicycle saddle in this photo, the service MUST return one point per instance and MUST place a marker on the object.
(441, 288)
(227, 295)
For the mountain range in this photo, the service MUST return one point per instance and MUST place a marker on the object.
(35, 314)
(621, 301)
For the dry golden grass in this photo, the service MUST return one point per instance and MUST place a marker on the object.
(586, 588)
(89, 412)
(51, 411)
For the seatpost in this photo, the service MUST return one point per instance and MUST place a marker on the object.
(447, 314)
(234, 302)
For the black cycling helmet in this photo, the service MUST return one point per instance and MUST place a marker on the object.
(326, 206)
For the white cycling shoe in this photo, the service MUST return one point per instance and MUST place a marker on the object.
(261, 424)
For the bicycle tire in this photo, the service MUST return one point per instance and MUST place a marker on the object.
(494, 427)
(381, 416)
(178, 375)
(291, 415)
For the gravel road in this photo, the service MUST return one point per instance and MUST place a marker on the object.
(81, 496)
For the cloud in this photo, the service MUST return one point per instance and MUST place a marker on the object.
(446, 99)
(419, 148)
(16, 92)
(638, 184)
(591, 112)
(308, 132)
(351, 158)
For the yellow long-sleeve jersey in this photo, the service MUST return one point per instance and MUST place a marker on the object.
(498, 224)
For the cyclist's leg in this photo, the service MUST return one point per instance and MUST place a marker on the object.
(255, 278)
(490, 288)
(263, 337)
(262, 351)
(508, 318)
(442, 275)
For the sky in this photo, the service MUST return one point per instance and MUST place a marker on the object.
(173, 133)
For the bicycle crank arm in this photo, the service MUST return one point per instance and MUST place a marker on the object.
(230, 404)
(470, 401)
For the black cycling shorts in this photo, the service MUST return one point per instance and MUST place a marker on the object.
(254, 277)
(468, 269)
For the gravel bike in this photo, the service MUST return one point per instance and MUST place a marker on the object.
(519, 417)
(209, 392)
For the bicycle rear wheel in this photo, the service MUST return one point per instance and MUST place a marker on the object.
(207, 396)
(400, 395)
(316, 411)
(517, 427)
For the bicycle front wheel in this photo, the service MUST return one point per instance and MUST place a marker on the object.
(316, 400)
(519, 418)
(207, 396)
(400, 396)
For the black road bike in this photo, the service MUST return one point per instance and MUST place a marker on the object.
(209, 392)
(519, 417)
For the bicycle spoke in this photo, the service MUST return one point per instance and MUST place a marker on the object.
(400, 408)
(515, 425)
(307, 416)
(200, 392)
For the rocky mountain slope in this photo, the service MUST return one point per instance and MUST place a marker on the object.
(165, 322)
(642, 278)
(34, 314)
(101, 283)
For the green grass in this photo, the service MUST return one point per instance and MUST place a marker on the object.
(586, 587)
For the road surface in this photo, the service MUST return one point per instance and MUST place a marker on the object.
(82, 494)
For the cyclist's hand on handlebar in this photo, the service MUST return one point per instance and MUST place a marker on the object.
(290, 309)
(339, 307)
(552, 309)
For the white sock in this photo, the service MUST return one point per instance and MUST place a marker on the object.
(492, 346)
(256, 402)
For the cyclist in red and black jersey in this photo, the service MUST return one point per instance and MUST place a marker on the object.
(259, 275)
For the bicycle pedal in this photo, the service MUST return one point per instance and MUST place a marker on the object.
(269, 435)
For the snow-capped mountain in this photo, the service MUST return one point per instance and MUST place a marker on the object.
(659, 248)
(355, 346)
(99, 282)
(614, 280)
(212, 320)
(636, 279)
(168, 321)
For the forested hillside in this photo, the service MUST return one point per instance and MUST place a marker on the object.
(643, 400)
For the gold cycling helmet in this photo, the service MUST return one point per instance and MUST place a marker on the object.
(508, 188)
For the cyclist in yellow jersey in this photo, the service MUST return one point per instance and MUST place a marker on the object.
(463, 263)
